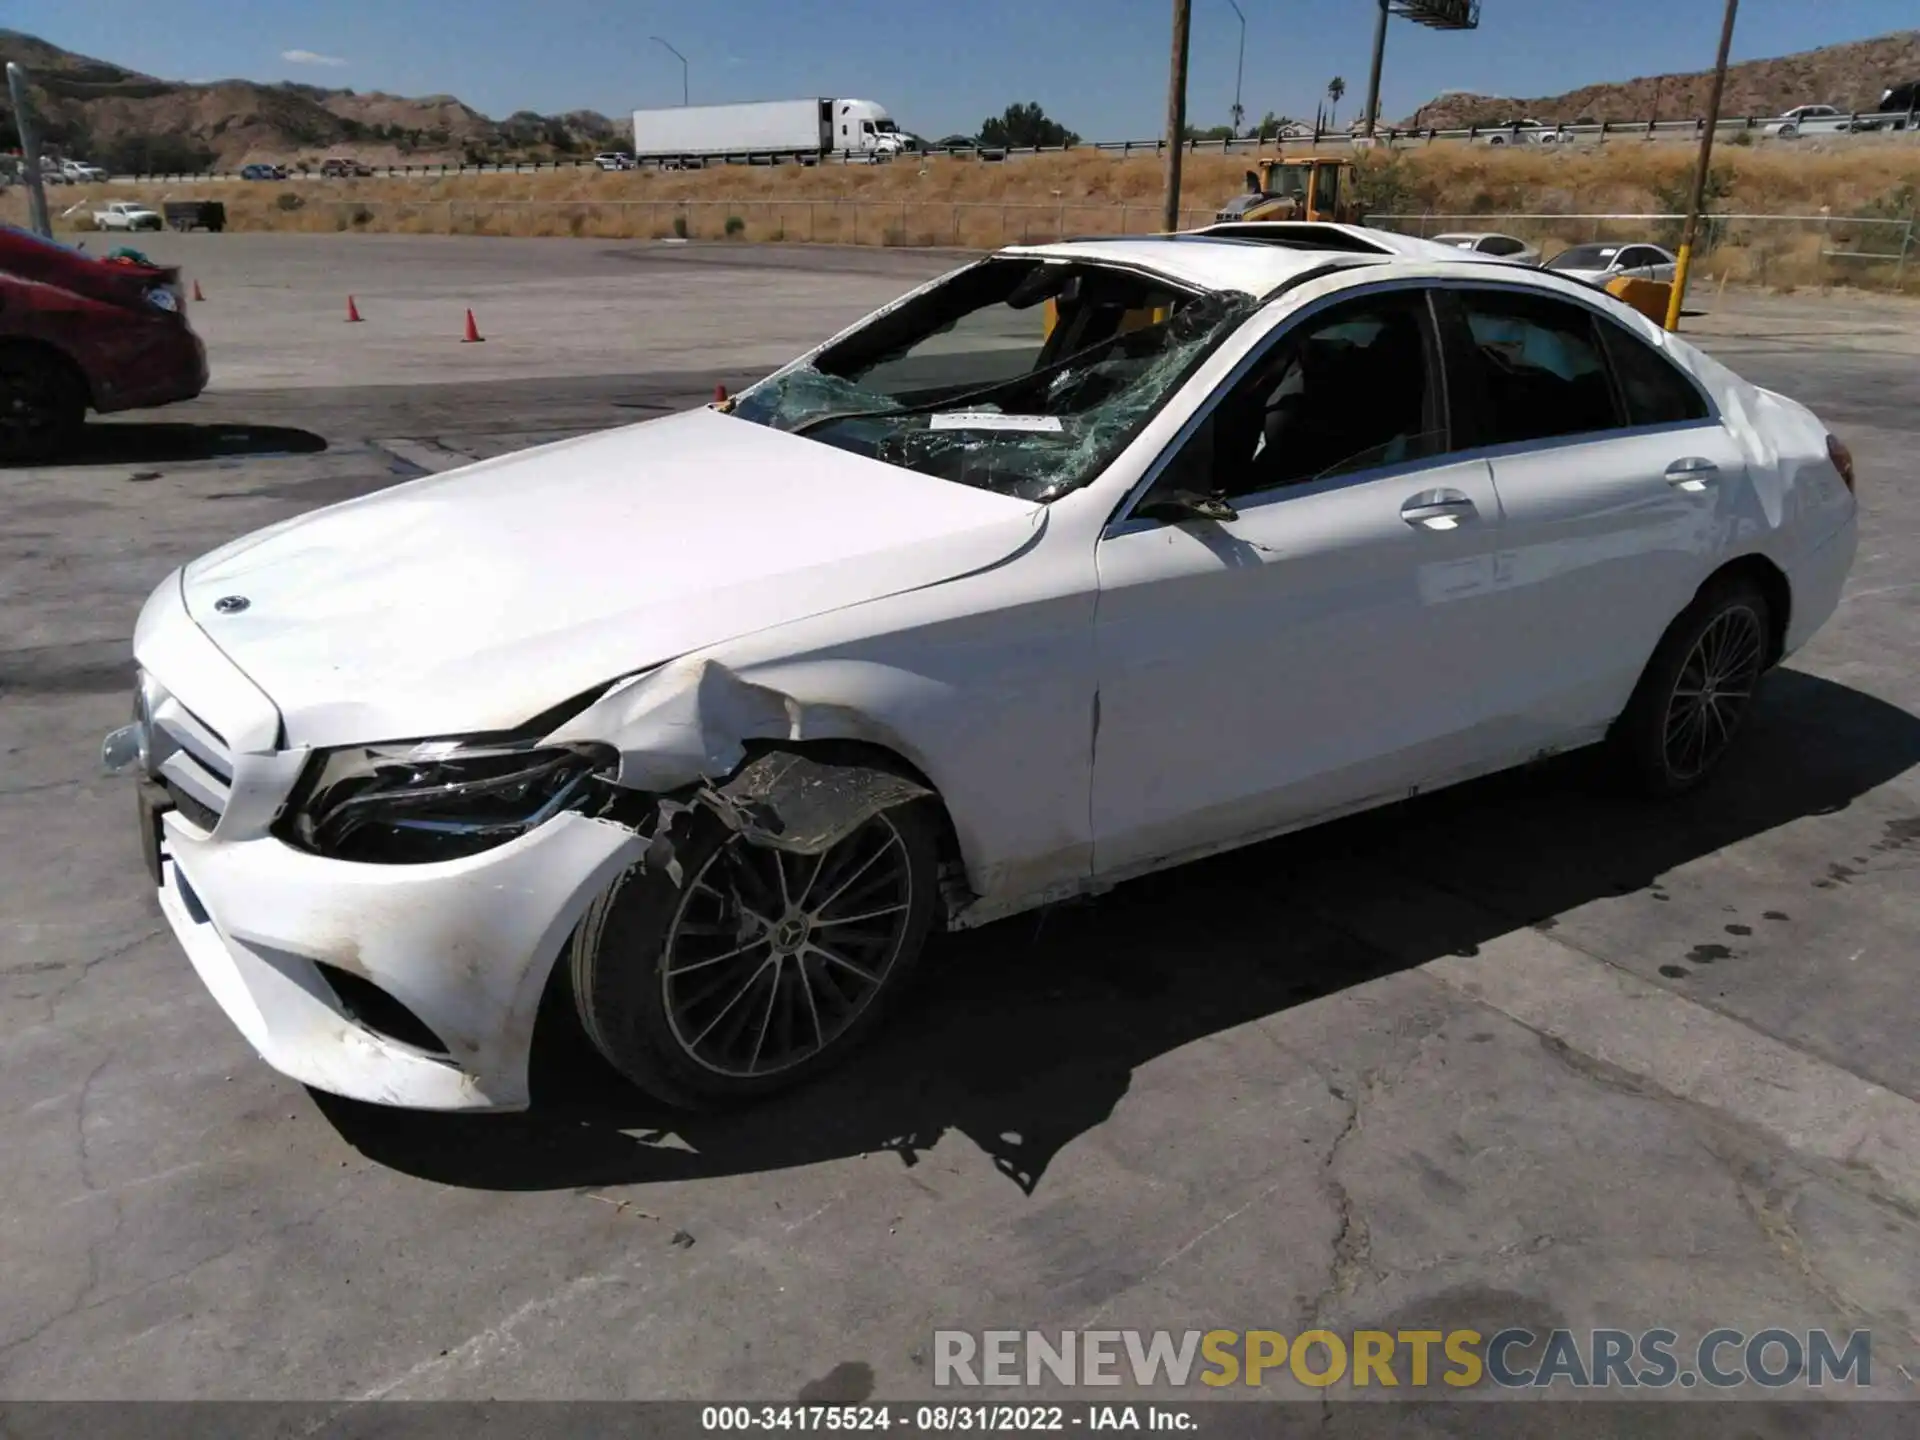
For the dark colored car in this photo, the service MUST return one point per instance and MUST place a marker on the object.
(263, 172)
(79, 333)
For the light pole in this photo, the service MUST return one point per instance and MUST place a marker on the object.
(1373, 76)
(1685, 258)
(683, 66)
(1239, 70)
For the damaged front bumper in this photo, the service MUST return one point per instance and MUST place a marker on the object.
(289, 944)
(419, 985)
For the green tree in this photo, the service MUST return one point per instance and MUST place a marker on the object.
(1336, 92)
(1022, 126)
(1211, 132)
(1272, 124)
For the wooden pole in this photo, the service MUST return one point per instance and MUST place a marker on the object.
(1698, 198)
(1176, 113)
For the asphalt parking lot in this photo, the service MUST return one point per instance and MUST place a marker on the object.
(1521, 1053)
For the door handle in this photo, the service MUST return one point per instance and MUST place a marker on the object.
(1438, 510)
(1692, 474)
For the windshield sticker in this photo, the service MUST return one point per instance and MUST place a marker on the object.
(993, 420)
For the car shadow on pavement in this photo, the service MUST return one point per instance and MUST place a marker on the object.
(150, 442)
(1024, 1035)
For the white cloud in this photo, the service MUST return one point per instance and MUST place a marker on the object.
(310, 57)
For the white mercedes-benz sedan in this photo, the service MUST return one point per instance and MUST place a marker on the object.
(1079, 562)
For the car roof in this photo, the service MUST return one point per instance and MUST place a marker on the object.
(1211, 261)
(1325, 235)
(1207, 263)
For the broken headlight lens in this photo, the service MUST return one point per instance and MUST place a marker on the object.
(411, 804)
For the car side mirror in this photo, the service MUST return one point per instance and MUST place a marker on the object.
(1176, 507)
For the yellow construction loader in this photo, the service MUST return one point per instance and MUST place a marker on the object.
(1318, 187)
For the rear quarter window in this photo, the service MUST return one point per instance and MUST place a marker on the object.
(1656, 391)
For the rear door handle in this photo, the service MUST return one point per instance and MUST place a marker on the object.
(1438, 510)
(1693, 474)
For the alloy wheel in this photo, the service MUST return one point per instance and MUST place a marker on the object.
(1713, 691)
(771, 957)
(29, 412)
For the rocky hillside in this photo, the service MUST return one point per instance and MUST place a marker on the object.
(1851, 76)
(128, 121)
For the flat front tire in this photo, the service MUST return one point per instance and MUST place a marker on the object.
(1696, 692)
(760, 968)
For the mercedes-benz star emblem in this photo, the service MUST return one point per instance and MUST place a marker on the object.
(231, 604)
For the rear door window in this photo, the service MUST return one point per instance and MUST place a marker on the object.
(1656, 391)
(1537, 367)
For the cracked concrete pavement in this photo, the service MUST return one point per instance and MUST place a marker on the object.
(1523, 1053)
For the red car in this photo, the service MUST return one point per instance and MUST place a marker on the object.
(80, 333)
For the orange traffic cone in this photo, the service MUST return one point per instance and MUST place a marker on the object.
(473, 334)
(353, 311)
(196, 291)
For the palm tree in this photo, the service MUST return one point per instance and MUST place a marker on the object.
(1336, 91)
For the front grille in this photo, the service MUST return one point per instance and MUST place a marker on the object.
(199, 814)
(191, 759)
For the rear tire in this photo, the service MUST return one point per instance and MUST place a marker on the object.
(1696, 693)
(761, 969)
(42, 404)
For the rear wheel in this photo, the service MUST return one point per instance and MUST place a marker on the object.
(41, 404)
(1697, 690)
(762, 968)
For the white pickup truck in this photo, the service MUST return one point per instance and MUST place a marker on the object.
(81, 173)
(127, 215)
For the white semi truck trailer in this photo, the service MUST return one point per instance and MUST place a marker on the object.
(767, 131)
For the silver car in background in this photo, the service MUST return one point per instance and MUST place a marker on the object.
(1599, 264)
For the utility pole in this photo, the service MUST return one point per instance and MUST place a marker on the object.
(1176, 112)
(1373, 77)
(1691, 232)
(683, 66)
(29, 150)
(1239, 70)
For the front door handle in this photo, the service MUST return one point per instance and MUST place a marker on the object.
(1438, 510)
(1693, 474)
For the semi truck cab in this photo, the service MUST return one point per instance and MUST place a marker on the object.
(864, 125)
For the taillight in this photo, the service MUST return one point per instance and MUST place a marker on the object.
(1842, 460)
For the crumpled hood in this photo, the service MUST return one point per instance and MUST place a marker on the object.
(476, 599)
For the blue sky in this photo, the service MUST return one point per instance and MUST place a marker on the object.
(1098, 66)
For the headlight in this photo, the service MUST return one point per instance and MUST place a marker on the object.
(409, 804)
(162, 298)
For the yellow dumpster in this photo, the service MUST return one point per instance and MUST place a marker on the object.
(1649, 297)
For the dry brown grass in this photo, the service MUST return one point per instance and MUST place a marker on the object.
(1630, 177)
(974, 204)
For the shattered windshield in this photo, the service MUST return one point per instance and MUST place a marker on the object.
(1024, 377)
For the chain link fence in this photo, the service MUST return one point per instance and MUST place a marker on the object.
(1782, 252)
(972, 225)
